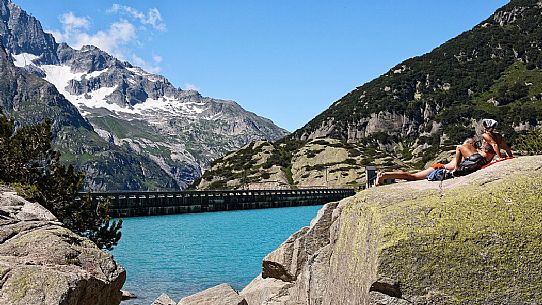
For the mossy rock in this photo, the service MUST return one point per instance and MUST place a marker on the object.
(478, 240)
(45, 263)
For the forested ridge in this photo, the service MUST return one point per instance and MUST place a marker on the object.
(493, 70)
(421, 107)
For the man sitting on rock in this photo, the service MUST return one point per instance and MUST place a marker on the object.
(491, 147)
(466, 151)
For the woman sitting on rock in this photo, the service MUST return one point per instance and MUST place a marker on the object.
(462, 152)
(490, 147)
(494, 140)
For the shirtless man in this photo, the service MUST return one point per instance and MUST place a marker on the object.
(465, 153)
(492, 143)
(462, 152)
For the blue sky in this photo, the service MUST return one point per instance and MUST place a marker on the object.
(285, 60)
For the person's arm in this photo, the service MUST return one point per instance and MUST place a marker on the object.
(507, 148)
(489, 139)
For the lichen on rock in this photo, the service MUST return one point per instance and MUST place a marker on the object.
(41, 262)
(474, 240)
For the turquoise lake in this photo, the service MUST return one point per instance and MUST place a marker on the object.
(186, 253)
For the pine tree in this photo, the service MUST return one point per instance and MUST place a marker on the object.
(28, 161)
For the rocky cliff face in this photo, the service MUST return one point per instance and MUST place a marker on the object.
(142, 114)
(22, 33)
(41, 262)
(476, 240)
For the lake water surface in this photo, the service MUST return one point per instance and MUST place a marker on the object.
(186, 253)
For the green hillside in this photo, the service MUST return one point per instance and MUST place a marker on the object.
(421, 108)
(493, 70)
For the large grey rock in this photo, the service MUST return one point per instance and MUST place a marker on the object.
(268, 291)
(34, 211)
(42, 262)
(222, 294)
(164, 299)
(286, 262)
(473, 241)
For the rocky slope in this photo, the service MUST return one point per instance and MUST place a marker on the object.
(492, 70)
(41, 262)
(178, 131)
(315, 163)
(475, 240)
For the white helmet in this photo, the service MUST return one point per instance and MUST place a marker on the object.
(489, 123)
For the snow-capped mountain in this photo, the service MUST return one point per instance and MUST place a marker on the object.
(179, 130)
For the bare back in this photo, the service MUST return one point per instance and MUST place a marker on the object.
(493, 141)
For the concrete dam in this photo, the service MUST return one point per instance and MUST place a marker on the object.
(131, 204)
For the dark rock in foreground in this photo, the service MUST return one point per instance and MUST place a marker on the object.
(41, 262)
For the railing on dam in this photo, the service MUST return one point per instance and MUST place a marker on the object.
(128, 204)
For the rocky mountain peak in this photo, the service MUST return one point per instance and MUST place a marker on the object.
(88, 59)
(139, 112)
(22, 33)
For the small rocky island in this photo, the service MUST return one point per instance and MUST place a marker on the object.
(472, 240)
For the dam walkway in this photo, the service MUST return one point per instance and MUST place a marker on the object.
(130, 204)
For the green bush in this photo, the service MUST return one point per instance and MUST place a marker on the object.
(507, 94)
(218, 185)
(353, 152)
(530, 142)
(28, 162)
(351, 161)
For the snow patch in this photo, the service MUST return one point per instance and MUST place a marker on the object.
(95, 73)
(97, 99)
(24, 59)
(60, 76)
(171, 105)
